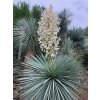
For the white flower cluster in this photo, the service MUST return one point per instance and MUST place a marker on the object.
(48, 29)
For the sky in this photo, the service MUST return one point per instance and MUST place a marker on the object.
(78, 8)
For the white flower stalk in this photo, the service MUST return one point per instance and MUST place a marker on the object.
(47, 31)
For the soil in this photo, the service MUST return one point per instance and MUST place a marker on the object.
(16, 91)
(84, 90)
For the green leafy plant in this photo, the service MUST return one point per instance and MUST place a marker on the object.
(36, 12)
(45, 80)
(25, 34)
(66, 46)
(21, 10)
(80, 44)
(76, 34)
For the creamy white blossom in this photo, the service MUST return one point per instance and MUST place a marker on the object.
(47, 31)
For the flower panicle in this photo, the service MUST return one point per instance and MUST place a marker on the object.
(47, 32)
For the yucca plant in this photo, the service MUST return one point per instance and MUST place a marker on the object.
(45, 80)
(77, 36)
(65, 16)
(66, 47)
(80, 44)
(25, 36)
(53, 76)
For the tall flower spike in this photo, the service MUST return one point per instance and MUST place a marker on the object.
(47, 31)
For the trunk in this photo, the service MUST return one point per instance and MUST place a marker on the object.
(30, 52)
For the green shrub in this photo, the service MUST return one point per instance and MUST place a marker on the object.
(21, 10)
(36, 12)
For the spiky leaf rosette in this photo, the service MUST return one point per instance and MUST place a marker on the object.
(67, 46)
(25, 34)
(42, 80)
(65, 16)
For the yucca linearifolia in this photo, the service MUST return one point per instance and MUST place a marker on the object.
(44, 80)
(25, 34)
(65, 16)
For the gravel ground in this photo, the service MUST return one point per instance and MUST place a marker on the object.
(84, 91)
